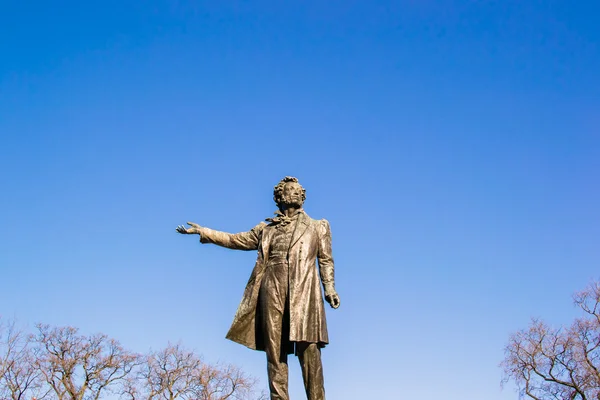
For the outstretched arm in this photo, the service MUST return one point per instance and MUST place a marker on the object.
(326, 269)
(237, 241)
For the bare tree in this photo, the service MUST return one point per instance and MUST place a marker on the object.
(78, 367)
(59, 363)
(177, 373)
(224, 382)
(19, 379)
(558, 363)
(170, 373)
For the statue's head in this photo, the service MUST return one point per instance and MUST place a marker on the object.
(289, 193)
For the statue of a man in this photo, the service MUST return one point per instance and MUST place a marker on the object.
(282, 309)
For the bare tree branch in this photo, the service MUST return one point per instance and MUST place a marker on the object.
(19, 379)
(60, 363)
(176, 373)
(548, 363)
(79, 367)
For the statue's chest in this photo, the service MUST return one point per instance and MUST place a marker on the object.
(280, 240)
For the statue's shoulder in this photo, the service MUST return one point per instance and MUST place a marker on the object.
(324, 223)
(321, 224)
(259, 227)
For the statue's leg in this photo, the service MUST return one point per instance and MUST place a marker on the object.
(309, 355)
(273, 302)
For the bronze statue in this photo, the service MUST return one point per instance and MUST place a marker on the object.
(282, 309)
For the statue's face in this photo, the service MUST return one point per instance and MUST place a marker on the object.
(292, 195)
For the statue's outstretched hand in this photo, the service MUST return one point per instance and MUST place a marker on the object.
(194, 228)
(333, 299)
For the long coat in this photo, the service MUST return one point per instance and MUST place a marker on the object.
(311, 241)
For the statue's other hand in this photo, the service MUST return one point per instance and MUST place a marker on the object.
(194, 228)
(333, 299)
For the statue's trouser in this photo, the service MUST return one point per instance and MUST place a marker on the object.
(274, 307)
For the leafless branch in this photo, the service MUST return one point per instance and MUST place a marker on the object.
(558, 363)
(19, 379)
(77, 366)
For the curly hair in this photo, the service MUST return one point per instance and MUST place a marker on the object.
(278, 190)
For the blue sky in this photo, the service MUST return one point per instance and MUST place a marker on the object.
(454, 146)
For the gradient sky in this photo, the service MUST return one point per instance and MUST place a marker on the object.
(454, 146)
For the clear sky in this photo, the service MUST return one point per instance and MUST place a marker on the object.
(454, 146)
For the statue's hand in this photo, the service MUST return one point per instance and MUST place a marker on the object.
(333, 299)
(194, 228)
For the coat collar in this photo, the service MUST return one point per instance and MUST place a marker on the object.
(282, 219)
(301, 226)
